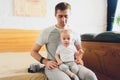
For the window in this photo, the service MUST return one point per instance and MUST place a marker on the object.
(116, 23)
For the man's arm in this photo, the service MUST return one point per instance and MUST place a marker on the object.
(80, 49)
(35, 54)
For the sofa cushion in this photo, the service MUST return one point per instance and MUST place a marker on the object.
(87, 37)
(108, 37)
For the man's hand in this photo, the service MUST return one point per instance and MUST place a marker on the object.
(81, 51)
(51, 64)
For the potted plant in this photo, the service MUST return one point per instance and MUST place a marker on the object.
(118, 20)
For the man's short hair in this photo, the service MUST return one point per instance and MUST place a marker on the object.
(62, 6)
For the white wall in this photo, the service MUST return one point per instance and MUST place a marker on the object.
(88, 16)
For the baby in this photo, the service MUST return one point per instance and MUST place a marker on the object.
(66, 54)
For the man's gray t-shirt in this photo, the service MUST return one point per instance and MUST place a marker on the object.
(50, 37)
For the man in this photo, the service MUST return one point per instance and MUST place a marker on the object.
(50, 37)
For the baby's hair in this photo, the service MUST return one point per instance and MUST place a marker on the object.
(66, 31)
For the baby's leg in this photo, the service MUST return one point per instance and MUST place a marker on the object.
(72, 75)
(65, 68)
(73, 67)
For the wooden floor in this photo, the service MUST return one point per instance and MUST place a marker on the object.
(17, 40)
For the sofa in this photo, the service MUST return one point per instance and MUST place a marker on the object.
(102, 54)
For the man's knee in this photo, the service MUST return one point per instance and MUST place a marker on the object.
(74, 69)
(86, 74)
(56, 74)
(90, 76)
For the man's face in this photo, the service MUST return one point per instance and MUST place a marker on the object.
(62, 17)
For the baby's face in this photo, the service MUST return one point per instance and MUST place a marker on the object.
(65, 39)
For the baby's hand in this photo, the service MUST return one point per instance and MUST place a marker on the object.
(77, 61)
(60, 62)
(80, 61)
